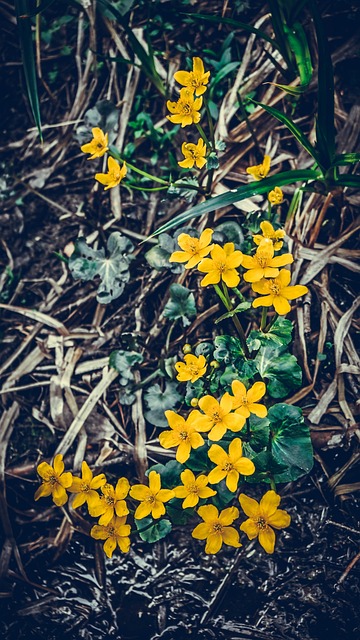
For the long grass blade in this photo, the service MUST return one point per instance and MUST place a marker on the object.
(345, 158)
(28, 59)
(348, 181)
(297, 133)
(278, 23)
(246, 191)
(325, 127)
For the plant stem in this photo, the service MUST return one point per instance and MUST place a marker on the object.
(263, 319)
(204, 136)
(225, 298)
(133, 186)
(272, 321)
(272, 483)
(115, 154)
(211, 124)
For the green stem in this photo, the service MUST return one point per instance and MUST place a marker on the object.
(272, 321)
(263, 319)
(225, 298)
(146, 380)
(115, 154)
(272, 483)
(211, 124)
(133, 186)
(168, 337)
(204, 136)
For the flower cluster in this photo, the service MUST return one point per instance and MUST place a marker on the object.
(261, 270)
(97, 147)
(186, 111)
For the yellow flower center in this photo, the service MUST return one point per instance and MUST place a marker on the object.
(186, 108)
(244, 400)
(109, 500)
(228, 466)
(183, 435)
(274, 288)
(192, 244)
(53, 480)
(217, 527)
(262, 258)
(150, 499)
(193, 488)
(216, 416)
(85, 487)
(193, 369)
(111, 531)
(221, 266)
(260, 523)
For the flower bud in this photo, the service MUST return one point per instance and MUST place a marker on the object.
(186, 348)
(194, 402)
(214, 364)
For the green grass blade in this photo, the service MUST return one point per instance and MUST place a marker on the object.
(28, 59)
(297, 133)
(348, 181)
(234, 23)
(325, 127)
(246, 191)
(279, 26)
(345, 158)
(145, 58)
(44, 5)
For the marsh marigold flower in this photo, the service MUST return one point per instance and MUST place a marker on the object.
(263, 264)
(152, 497)
(184, 435)
(197, 79)
(192, 369)
(277, 292)
(98, 146)
(116, 532)
(114, 176)
(54, 481)
(269, 232)
(85, 486)
(260, 171)
(193, 154)
(221, 266)
(263, 516)
(186, 110)
(192, 489)
(193, 249)
(246, 402)
(111, 502)
(215, 529)
(275, 196)
(218, 417)
(229, 464)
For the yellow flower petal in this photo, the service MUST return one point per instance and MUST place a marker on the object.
(249, 527)
(58, 464)
(208, 513)
(158, 509)
(139, 492)
(213, 543)
(280, 519)
(281, 305)
(43, 491)
(232, 480)
(231, 537)
(143, 510)
(267, 539)
(99, 533)
(109, 546)
(249, 506)
(269, 503)
(60, 496)
(201, 531)
(79, 500)
(228, 515)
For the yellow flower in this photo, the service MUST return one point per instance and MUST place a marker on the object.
(245, 402)
(98, 146)
(183, 435)
(192, 489)
(111, 502)
(193, 368)
(116, 532)
(276, 292)
(229, 465)
(215, 528)
(194, 154)
(186, 110)
(152, 497)
(55, 481)
(85, 487)
(269, 232)
(114, 176)
(263, 516)
(276, 196)
(260, 171)
(218, 417)
(263, 264)
(221, 266)
(195, 79)
(193, 249)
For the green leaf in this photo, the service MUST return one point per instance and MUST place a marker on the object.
(123, 361)
(169, 472)
(28, 59)
(177, 514)
(194, 390)
(259, 432)
(243, 306)
(183, 188)
(153, 532)
(345, 158)
(228, 231)
(204, 349)
(265, 465)
(126, 396)
(290, 442)
(348, 181)
(159, 401)
(199, 461)
(212, 161)
(236, 195)
(236, 24)
(228, 349)
(105, 115)
(223, 495)
(86, 263)
(181, 305)
(280, 370)
(294, 129)
(279, 335)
